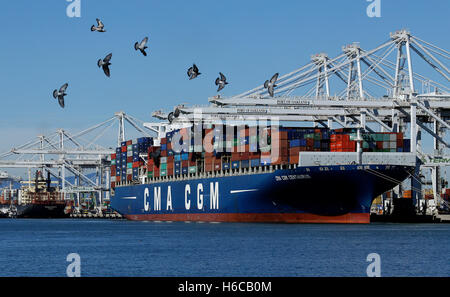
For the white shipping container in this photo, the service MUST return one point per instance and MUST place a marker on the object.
(393, 137)
(386, 144)
(393, 144)
(163, 159)
(129, 170)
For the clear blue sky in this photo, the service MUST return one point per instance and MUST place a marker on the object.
(247, 40)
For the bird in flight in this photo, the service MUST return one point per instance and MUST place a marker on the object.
(193, 72)
(100, 27)
(105, 64)
(60, 94)
(221, 81)
(269, 85)
(141, 46)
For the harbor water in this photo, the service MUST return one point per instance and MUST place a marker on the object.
(125, 248)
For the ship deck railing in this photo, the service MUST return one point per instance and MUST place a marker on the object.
(209, 174)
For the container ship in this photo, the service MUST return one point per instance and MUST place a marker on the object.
(35, 199)
(296, 175)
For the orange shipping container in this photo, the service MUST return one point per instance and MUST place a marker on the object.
(407, 194)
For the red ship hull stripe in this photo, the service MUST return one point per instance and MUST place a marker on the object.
(355, 218)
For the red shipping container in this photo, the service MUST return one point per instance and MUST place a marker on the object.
(135, 164)
(169, 171)
(185, 163)
(129, 159)
(124, 149)
(113, 184)
(254, 156)
(113, 156)
(163, 140)
(163, 153)
(235, 156)
(294, 159)
(209, 167)
(244, 156)
(129, 142)
(129, 177)
(192, 163)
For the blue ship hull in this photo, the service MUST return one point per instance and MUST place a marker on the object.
(316, 194)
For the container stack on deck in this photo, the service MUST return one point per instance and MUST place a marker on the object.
(126, 162)
(344, 140)
(243, 150)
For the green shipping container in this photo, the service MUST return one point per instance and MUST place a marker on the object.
(163, 166)
(163, 173)
(129, 165)
(130, 148)
(150, 174)
(192, 169)
(113, 162)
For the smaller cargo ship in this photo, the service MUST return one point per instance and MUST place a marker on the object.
(35, 199)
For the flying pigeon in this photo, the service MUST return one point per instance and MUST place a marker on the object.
(156, 157)
(170, 117)
(141, 46)
(176, 113)
(269, 85)
(60, 94)
(99, 28)
(105, 64)
(193, 72)
(221, 81)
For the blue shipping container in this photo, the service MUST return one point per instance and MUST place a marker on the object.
(294, 143)
(245, 163)
(255, 162)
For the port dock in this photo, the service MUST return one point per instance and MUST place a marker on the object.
(365, 90)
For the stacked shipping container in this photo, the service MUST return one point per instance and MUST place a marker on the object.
(241, 150)
(344, 140)
(126, 162)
